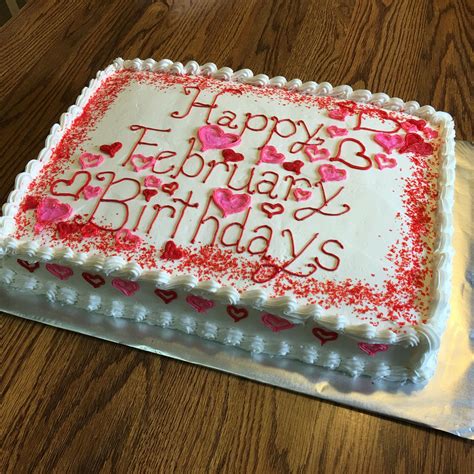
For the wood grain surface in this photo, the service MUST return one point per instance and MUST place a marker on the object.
(71, 403)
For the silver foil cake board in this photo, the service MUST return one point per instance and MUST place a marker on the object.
(445, 403)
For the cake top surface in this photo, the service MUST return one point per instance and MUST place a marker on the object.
(309, 203)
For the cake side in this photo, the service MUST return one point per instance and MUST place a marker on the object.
(286, 305)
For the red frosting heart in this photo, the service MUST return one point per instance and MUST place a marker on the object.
(324, 335)
(95, 280)
(200, 304)
(59, 271)
(237, 313)
(55, 187)
(302, 194)
(111, 149)
(212, 137)
(372, 349)
(126, 287)
(276, 323)
(412, 125)
(271, 209)
(171, 251)
(294, 166)
(361, 154)
(230, 203)
(149, 193)
(166, 295)
(65, 229)
(29, 203)
(414, 143)
(31, 267)
(231, 155)
(170, 188)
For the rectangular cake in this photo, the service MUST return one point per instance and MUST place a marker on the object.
(293, 219)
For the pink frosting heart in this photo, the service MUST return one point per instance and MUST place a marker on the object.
(152, 182)
(384, 161)
(212, 137)
(430, 133)
(141, 162)
(389, 141)
(200, 304)
(52, 210)
(336, 131)
(91, 192)
(331, 173)
(372, 349)
(89, 160)
(269, 154)
(338, 114)
(276, 323)
(126, 287)
(59, 271)
(230, 203)
(314, 153)
(302, 194)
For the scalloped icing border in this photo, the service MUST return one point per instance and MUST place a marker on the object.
(427, 334)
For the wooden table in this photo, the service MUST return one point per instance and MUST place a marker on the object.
(76, 403)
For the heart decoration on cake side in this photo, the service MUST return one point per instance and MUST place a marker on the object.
(57, 185)
(126, 239)
(171, 251)
(294, 166)
(152, 182)
(199, 304)
(232, 156)
(302, 194)
(31, 267)
(276, 323)
(360, 154)
(381, 114)
(384, 161)
(269, 154)
(59, 271)
(51, 210)
(166, 295)
(237, 313)
(414, 143)
(141, 162)
(314, 153)
(90, 160)
(335, 131)
(331, 173)
(230, 203)
(389, 141)
(372, 349)
(126, 287)
(111, 149)
(271, 209)
(149, 193)
(170, 188)
(324, 335)
(212, 137)
(90, 192)
(339, 114)
(94, 280)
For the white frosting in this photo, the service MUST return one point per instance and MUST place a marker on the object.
(425, 336)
